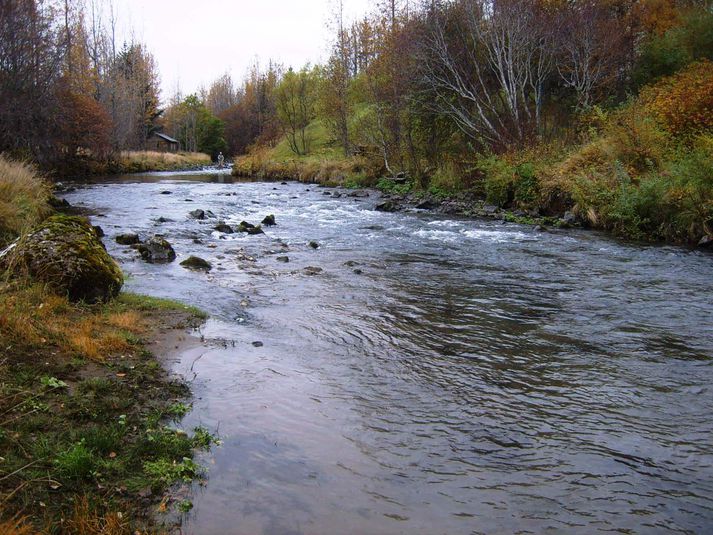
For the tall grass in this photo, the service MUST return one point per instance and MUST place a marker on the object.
(146, 160)
(24, 199)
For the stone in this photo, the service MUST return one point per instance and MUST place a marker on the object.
(312, 270)
(569, 218)
(490, 208)
(128, 238)
(98, 231)
(428, 204)
(164, 220)
(166, 192)
(196, 263)
(540, 228)
(197, 214)
(284, 259)
(65, 253)
(360, 194)
(269, 220)
(222, 227)
(387, 206)
(314, 245)
(157, 250)
(706, 242)
(258, 343)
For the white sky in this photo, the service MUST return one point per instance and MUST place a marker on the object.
(195, 41)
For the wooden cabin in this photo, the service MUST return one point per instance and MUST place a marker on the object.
(162, 143)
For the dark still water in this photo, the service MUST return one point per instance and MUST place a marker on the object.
(469, 377)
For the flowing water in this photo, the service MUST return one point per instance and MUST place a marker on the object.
(439, 375)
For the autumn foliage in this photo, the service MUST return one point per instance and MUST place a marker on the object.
(683, 103)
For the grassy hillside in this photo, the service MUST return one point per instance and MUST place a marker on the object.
(325, 163)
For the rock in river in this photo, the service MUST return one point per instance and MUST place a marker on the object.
(269, 220)
(128, 238)
(387, 206)
(65, 253)
(196, 263)
(222, 227)
(201, 214)
(156, 250)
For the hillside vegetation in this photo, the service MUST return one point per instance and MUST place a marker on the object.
(602, 109)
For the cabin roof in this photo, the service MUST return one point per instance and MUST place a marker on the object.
(166, 138)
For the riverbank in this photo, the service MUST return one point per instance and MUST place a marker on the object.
(87, 436)
(641, 170)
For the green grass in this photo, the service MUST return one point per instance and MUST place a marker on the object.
(76, 428)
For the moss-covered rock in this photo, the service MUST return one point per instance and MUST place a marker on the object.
(65, 253)
(157, 250)
(196, 263)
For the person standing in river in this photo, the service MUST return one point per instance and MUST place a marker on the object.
(220, 160)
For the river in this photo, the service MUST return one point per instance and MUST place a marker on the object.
(440, 375)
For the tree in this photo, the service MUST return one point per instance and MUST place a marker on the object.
(487, 64)
(592, 46)
(30, 66)
(197, 129)
(295, 98)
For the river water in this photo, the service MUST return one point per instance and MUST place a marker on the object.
(439, 375)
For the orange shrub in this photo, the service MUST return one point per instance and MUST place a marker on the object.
(683, 103)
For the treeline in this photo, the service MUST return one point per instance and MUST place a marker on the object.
(540, 106)
(70, 94)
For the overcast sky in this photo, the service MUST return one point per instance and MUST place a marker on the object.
(195, 41)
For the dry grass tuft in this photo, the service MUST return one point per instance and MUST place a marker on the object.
(31, 316)
(16, 526)
(24, 197)
(86, 521)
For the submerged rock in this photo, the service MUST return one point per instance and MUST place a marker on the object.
(706, 242)
(157, 250)
(284, 259)
(98, 231)
(312, 270)
(128, 238)
(269, 220)
(314, 245)
(65, 253)
(196, 263)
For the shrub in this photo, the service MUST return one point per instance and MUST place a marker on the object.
(683, 103)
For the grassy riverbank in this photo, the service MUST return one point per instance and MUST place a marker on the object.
(643, 170)
(86, 441)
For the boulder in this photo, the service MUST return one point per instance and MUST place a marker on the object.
(269, 220)
(196, 263)
(314, 245)
(98, 231)
(359, 194)
(65, 253)
(284, 259)
(128, 238)
(156, 250)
